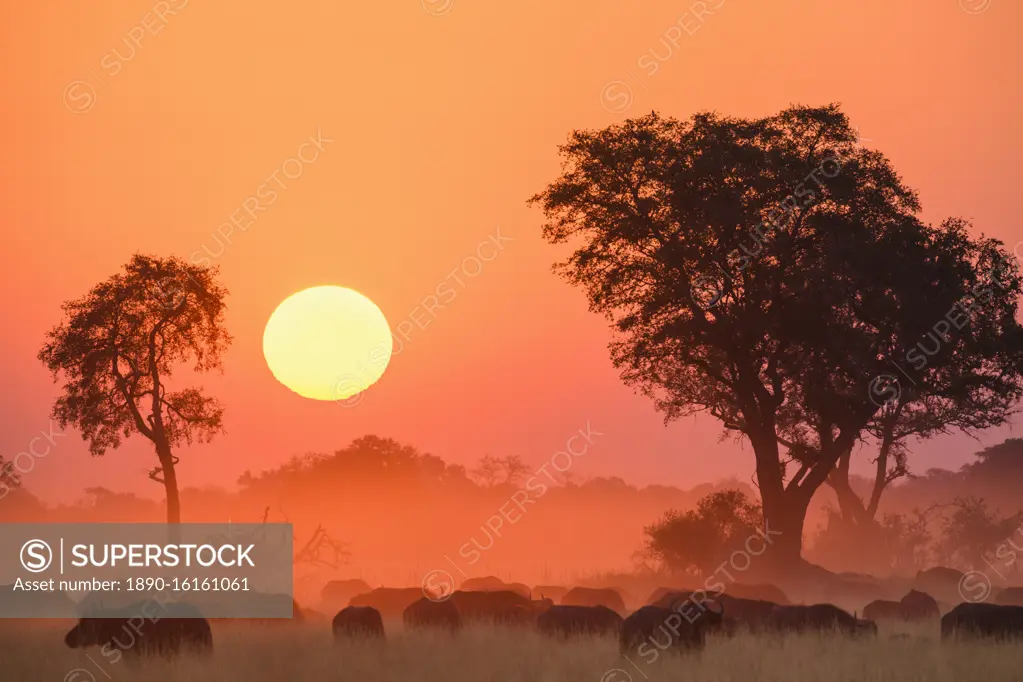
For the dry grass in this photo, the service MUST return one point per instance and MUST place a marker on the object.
(297, 654)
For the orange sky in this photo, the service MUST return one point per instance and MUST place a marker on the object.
(444, 118)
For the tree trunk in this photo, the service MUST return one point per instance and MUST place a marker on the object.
(170, 484)
(784, 533)
(784, 510)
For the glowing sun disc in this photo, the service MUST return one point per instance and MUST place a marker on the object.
(327, 343)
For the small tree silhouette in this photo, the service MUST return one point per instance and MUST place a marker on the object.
(696, 541)
(120, 344)
(494, 471)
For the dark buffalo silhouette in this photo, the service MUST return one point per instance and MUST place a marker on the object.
(917, 605)
(567, 621)
(144, 629)
(359, 622)
(552, 592)
(391, 602)
(1010, 596)
(983, 620)
(817, 618)
(428, 613)
(655, 628)
(337, 593)
(594, 596)
(503, 607)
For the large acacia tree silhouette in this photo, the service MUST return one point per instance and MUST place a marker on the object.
(775, 274)
(121, 343)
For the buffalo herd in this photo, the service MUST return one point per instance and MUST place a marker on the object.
(671, 620)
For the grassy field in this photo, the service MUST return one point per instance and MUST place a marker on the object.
(299, 653)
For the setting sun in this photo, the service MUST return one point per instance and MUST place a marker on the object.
(327, 343)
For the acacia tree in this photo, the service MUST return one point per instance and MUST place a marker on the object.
(121, 343)
(768, 272)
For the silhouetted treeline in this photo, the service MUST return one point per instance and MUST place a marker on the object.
(402, 513)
